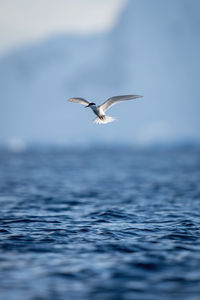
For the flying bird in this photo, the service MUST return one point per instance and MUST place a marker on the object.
(100, 110)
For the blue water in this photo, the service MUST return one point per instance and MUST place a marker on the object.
(100, 224)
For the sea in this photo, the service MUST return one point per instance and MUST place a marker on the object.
(100, 223)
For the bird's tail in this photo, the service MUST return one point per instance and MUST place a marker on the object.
(103, 120)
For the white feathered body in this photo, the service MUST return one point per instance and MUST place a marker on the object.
(99, 110)
(102, 118)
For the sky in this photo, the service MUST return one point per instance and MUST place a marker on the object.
(24, 21)
(97, 49)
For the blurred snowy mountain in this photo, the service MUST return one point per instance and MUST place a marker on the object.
(153, 51)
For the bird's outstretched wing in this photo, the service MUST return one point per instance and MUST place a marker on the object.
(79, 100)
(113, 100)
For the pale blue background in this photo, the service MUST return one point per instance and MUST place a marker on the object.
(153, 51)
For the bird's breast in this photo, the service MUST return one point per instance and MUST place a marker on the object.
(100, 111)
(97, 110)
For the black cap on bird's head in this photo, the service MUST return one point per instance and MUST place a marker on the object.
(91, 103)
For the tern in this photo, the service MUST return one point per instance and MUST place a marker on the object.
(100, 110)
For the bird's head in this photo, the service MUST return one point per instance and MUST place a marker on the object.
(90, 104)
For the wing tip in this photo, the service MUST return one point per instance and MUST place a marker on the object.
(72, 99)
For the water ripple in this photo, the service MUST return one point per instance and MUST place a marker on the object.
(121, 224)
